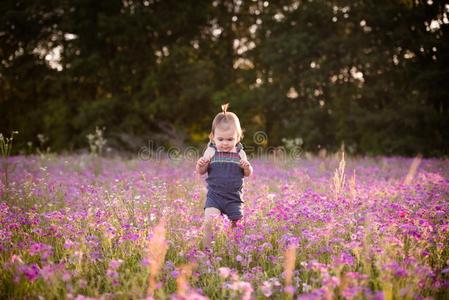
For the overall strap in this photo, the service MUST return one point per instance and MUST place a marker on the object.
(238, 147)
(212, 145)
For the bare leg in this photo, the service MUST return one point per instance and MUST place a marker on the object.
(210, 214)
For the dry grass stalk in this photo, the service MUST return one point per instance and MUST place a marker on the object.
(156, 250)
(289, 266)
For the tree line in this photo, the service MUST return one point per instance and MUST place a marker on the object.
(370, 74)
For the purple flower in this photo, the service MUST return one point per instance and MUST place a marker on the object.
(31, 272)
(289, 290)
(112, 274)
(145, 262)
(39, 248)
(130, 236)
(379, 295)
(346, 258)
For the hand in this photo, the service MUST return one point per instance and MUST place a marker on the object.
(244, 164)
(202, 162)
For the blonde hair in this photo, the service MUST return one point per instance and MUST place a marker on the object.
(225, 119)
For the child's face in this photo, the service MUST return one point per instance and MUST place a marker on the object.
(226, 138)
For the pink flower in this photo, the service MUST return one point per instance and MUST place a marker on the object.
(38, 248)
(13, 226)
(224, 272)
(112, 274)
(66, 276)
(246, 288)
(267, 289)
(68, 244)
(81, 297)
(47, 272)
(82, 283)
(16, 259)
(114, 264)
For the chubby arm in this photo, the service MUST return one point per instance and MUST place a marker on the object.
(203, 162)
(245, 165)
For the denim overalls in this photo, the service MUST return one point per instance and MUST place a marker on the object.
(225, 183)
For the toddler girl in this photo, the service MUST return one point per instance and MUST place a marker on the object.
(226, 164)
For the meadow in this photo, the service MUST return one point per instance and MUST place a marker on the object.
(85, 227)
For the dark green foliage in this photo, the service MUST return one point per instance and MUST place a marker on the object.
(370, 74)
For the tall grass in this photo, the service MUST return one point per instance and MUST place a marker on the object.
(135, 232)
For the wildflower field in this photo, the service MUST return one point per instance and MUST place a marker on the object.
(79, 227)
